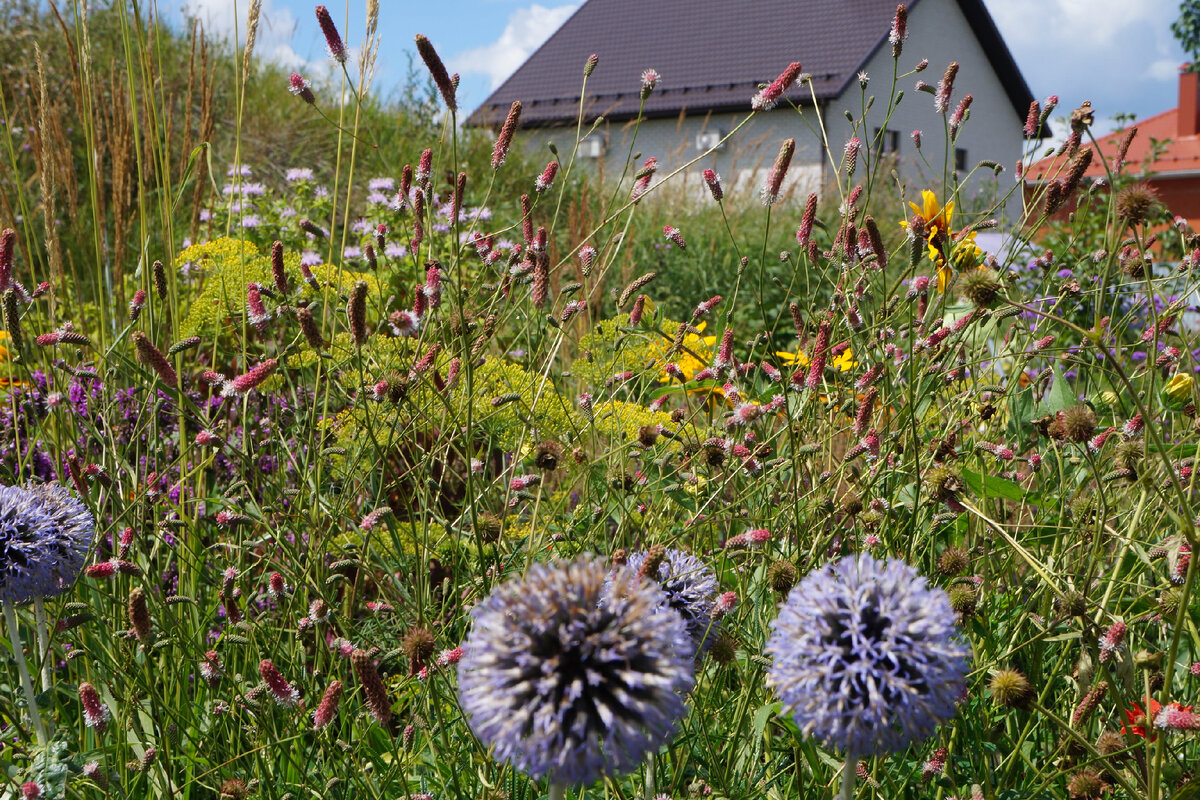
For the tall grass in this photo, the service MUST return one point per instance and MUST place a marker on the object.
(336, 452)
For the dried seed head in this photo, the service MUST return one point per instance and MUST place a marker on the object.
(953, 561)
(1085, 785)
(982, 286)
(547, 455)
(1137, 203)
(1079, 423)
(419, 646)
(782, 576)
(1011, 689)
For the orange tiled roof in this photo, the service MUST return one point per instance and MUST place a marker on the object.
(1179, 154)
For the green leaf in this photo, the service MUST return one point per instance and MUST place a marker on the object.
(1060, 397)
(992, 486)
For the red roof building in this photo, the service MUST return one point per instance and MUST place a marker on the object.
(1166, 148)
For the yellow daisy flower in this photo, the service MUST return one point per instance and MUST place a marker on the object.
(938, 219)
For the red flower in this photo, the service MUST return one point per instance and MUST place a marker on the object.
(1139, 719)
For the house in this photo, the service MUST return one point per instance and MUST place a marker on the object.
(713, 56)
(1166, 146)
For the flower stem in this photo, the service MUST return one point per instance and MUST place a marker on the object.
(14, 636)
(650, 775)
(43, 641)
(558, 791)
(848, 774)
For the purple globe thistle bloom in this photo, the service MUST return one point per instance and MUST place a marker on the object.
(44, 535)
(561, 685)
(688, 586)
(867, 657)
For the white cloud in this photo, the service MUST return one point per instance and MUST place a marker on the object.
(526, 30)
(1121, 55)
(1164, 69)
(276, 27)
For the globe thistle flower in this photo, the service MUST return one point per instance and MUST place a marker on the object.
(866, 656)
(44, 534)
(561, 685)
(687, 583)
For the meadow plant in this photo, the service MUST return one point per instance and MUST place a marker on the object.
(428, 466)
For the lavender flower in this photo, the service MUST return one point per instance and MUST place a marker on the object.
(688, 586)
(866, 656)
(561, 685)
(44, 535)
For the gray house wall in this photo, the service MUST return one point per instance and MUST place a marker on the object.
(937, 31)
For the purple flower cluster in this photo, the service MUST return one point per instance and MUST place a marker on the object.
(44, 534)
(563, 685)
(866, 656)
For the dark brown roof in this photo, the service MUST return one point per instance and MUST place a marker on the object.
(712, 55)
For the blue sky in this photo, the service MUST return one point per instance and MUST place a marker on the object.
(1116, 53)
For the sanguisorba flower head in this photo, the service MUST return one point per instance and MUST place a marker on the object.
(562, 685)
(866, 656)
(44, 534)
(688, 586)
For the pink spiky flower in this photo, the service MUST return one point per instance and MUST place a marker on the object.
(505, 137)
(724, 604)
(713, 181)
(899, 31)
(301, 88)
(326, 711)
(244, 384)
(1111, 640)
(546, 179)
(641, 181)
(210, 669)
(673, 235)
(95, 713)
(650, 79)
(1176, 717)
(945, 88)
(777, 173)
(766, 99)
(752, 538)
(333, 39)
(284, 693)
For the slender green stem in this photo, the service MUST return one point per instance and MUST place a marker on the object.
(558, 791)
(43, 641)
(14, 636)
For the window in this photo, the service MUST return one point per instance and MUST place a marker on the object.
(889, 141)
(960, 159)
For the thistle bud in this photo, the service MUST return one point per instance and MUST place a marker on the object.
(546, 179)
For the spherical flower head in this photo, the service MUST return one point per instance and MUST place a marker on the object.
(44, 534)
(688, 585)
(866, 656)
(561, 685)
